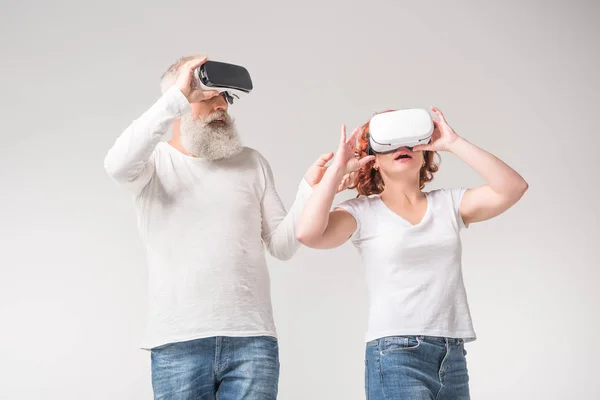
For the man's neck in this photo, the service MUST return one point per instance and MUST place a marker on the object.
(176, 144)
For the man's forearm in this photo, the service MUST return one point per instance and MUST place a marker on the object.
(281, 241)
(315, 215)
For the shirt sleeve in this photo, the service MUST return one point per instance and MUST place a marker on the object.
(355, 208)
(278, 225)
(129, 160)
(456, 195)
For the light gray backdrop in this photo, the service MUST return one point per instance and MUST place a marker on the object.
(518, 78)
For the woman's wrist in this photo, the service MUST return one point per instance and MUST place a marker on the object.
(338, 170)
(454, 144)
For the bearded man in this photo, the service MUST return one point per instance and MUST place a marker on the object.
(206, 208)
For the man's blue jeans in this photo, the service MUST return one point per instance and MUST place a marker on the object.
(221, 368)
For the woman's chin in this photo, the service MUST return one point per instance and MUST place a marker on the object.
(403, 167)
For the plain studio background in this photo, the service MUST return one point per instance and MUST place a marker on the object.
(517, 78)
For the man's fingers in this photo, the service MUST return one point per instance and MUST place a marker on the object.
(344, 184)
(195, 63)
(350, 178)
(324, 159)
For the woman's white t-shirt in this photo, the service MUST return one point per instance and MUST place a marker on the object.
(414, 272)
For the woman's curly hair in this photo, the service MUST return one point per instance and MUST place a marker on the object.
(369, 181)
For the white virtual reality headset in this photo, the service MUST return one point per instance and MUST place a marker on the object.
(231, 81)
(403, 128)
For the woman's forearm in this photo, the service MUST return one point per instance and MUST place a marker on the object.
(315, 214)
(501, 178)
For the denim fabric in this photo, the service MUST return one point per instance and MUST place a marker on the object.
(221, 368)
(416, 368)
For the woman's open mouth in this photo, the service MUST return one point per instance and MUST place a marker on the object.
(403, 156)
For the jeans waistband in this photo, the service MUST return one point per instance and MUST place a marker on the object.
(444, 340)
(422, 338)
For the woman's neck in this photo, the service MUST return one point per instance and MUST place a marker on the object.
(403, 191)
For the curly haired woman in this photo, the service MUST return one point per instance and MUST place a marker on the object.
(409, 243)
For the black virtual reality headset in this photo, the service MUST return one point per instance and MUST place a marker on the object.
(232, 81)
(403, 128)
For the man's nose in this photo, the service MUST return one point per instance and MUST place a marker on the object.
(219, 103)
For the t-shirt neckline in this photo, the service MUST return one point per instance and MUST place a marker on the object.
(404, 221)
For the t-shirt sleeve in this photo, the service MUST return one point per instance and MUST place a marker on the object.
(354, 207)
(456, 195)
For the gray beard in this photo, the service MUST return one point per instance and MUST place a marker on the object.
(211, 141)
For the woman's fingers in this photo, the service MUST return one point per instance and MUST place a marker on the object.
(438, 113)
(363, 161)
(343, 138)
(422, 147)
(354, 136)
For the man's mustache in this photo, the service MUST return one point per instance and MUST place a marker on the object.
(217, 115)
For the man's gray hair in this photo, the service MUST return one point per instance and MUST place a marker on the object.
(170, 75)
